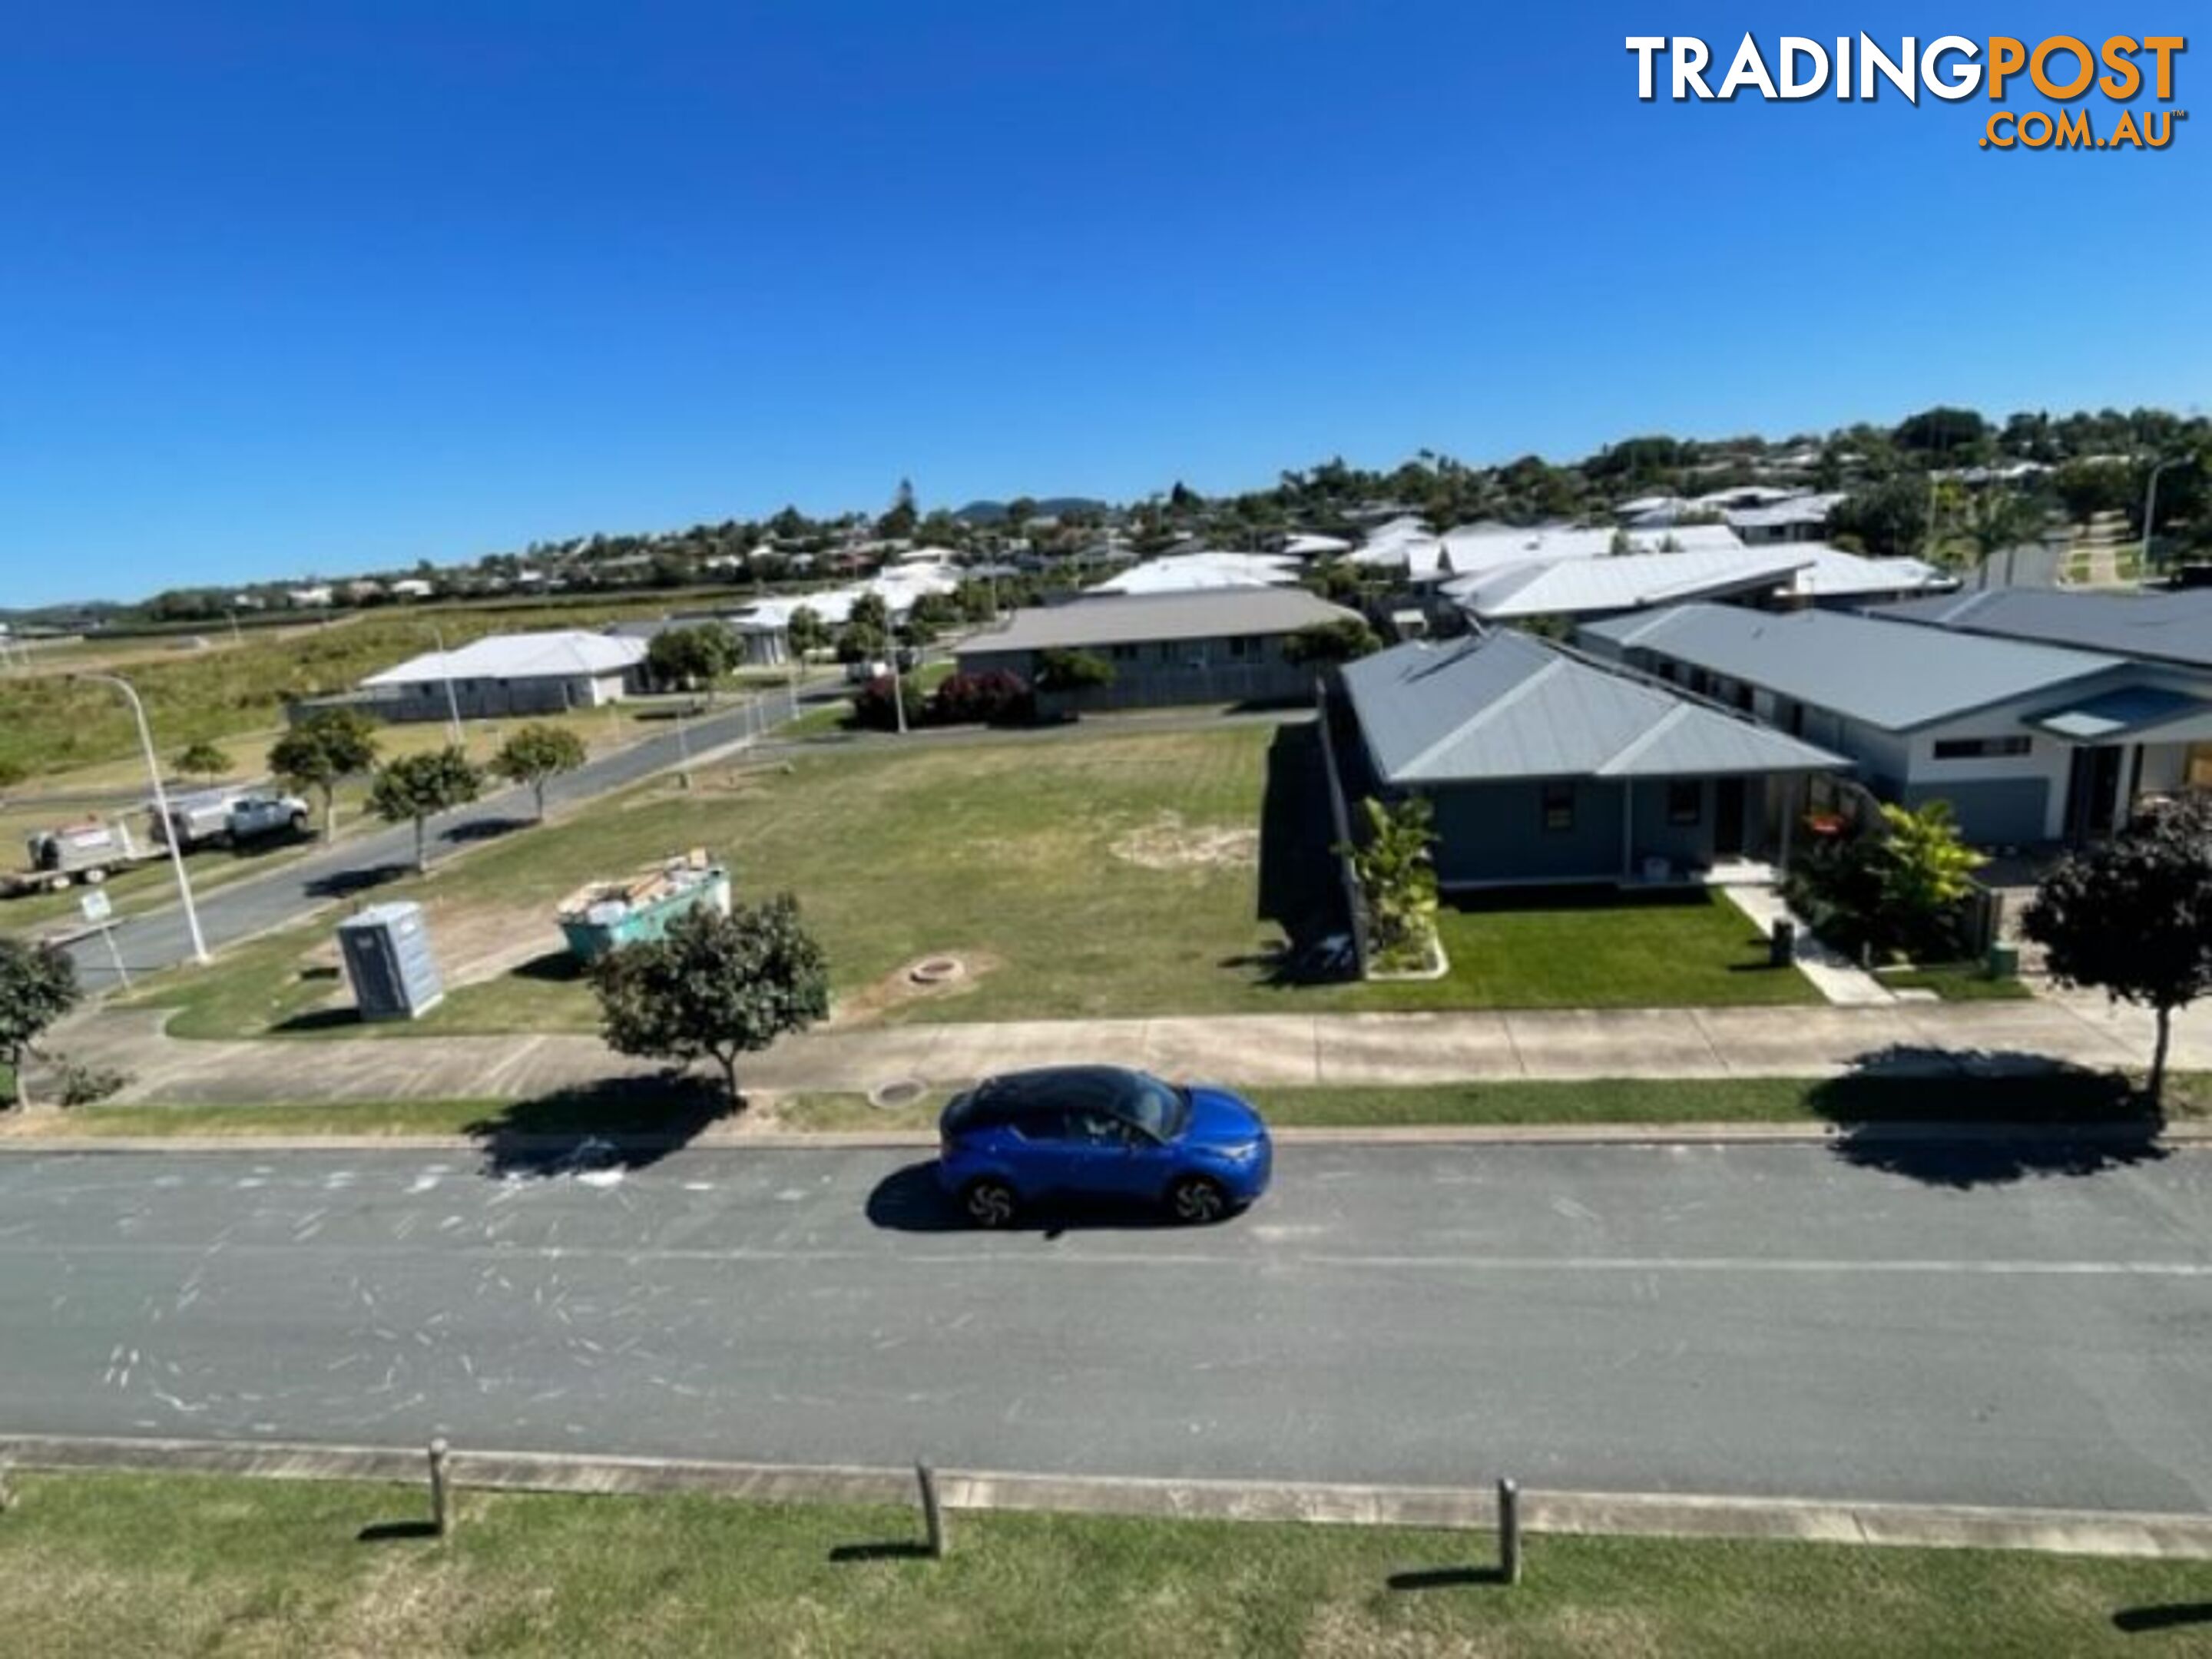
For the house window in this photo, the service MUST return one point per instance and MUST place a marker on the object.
(1686, 802)
(1243, 646)
(1558, 806)
(1980, 748)
(1169, 653)
(1125, 654)
(2198, 775)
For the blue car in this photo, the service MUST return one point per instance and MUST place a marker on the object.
(1100, 1130)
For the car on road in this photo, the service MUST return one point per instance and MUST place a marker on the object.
(1012, 1142)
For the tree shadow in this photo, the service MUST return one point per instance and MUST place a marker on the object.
(2137, 1620)
(1965, 1118)
(344, 883)
(615, 1126)
(910, 1201)
(469, 831)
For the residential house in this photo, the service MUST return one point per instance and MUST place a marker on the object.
(1544, 766)
(506, 674)
(1199, 572)
(2028, 742)
(1225, 646)
(1780, 577)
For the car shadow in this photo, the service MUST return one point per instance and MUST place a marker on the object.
(2136, 1621)
(910, 1201)
(1967, 1118)
(618, 1125)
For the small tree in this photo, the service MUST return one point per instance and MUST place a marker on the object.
(38, 986)
(2134, 916)
(1925, 871)
(536, 754)
(692, 657)
(1072, 671)
(418, 788)
(202, 760)
(714, 986)
(1345, 639)
(807, 632)
(1397, 877)
(322, 751)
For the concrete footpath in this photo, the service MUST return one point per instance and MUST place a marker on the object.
(1281, 1051)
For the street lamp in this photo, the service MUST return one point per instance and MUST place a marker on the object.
(160, 807)
(453, 704)
(2150, 506)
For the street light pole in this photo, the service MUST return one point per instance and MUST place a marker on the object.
(2150, 508)
(162, 808)
(453, 703)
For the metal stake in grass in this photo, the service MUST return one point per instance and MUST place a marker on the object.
(7, 1497)
(1509, 1532)
(440, 1511)
(932, 1512)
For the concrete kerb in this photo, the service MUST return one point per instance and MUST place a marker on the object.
(2079, 1532)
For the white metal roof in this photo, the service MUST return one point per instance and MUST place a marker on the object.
(561, 654)
(1198, 572)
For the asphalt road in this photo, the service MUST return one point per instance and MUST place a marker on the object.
(293, 888)
(1724, 1320)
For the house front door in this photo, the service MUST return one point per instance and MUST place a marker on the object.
(1728, 819)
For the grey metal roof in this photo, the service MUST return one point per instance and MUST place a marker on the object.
(2129, 709)
(2161, 626)
(1207, 616)
(1888, 674)
(1505, 705)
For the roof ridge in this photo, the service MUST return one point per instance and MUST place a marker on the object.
(1643, 739)
(1548, 670)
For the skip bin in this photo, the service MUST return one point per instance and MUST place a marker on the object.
(388, 959)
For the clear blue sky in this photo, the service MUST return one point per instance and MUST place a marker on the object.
(315, 286)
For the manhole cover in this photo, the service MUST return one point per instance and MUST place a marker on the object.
(890, 1097)
(935, 970)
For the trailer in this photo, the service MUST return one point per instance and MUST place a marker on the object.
(602, 916)
(87, 852)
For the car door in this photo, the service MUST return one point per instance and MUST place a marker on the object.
(1049, 1158)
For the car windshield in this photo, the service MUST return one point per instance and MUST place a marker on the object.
(1160, 1108)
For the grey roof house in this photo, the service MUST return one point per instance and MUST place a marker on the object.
(2028, 742)
(2151, 627)
(1225, 646)
(1546, 767)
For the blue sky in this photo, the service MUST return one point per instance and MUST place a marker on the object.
(311, 287)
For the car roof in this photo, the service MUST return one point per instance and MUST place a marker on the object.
(996, 1099)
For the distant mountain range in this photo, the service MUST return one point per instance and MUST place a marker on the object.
(1052, 507)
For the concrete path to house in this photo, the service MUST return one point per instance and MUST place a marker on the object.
(1833, 974)
(1292, 1050)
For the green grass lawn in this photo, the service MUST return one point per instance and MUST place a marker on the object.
(2070, 1097)
(107, 1566)
(1956, 981)
(1093, 874)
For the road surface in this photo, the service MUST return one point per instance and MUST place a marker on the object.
(1744, 1320)
(300, 885)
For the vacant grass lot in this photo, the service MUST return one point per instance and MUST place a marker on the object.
(230, 691)
(108, 1567)
(1122, 874)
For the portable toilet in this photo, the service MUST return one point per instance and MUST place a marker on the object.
(388, 956)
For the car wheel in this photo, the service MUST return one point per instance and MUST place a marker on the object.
(989, 1202)
(1197, 1199)
(299, 824)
